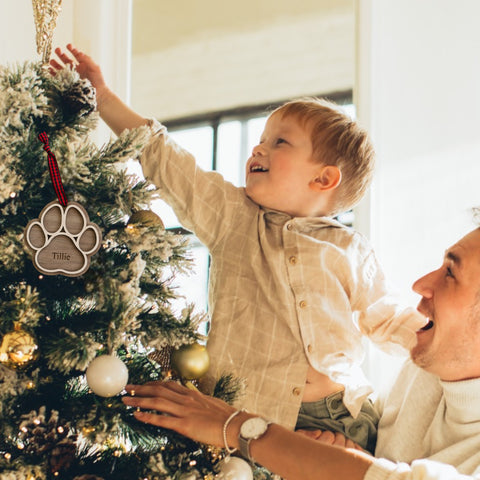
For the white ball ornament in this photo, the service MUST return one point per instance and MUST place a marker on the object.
(235, 468)
(107, 375)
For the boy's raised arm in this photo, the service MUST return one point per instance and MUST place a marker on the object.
(116, 114)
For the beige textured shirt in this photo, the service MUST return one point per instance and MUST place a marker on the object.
(283, 290)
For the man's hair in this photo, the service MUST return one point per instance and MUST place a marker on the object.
(336, 140)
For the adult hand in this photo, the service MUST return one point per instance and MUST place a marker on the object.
(186, 411)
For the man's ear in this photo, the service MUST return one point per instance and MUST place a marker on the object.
(327, 178)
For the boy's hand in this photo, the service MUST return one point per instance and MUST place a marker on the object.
(116, 114)
(82, 63)
(330, 438)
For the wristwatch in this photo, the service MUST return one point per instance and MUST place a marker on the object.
(251, 429)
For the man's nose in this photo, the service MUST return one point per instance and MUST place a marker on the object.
(424, 285)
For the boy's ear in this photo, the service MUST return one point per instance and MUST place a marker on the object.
(327, 178)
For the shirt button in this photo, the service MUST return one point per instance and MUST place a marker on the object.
(297, 391)
(289, 226)
(293, 260)
(303, 304)
(310, 349)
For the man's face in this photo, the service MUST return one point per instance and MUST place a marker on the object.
(449, 346)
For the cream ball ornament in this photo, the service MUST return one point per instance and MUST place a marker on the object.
(235, 468)
(107, 375)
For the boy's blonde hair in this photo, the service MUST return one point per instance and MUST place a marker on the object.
(336, 140)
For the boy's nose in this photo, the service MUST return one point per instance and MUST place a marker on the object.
(257, 150)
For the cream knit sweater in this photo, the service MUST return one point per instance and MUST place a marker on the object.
(429, 429)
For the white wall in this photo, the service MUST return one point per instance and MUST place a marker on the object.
(418, 80)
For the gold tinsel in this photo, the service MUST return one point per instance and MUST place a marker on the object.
(45, 13)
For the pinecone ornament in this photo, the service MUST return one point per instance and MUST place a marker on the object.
(52, 437)
(79, 99)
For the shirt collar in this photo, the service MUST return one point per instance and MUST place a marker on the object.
(303, 223)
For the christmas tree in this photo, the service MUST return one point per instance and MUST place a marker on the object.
(70, 335)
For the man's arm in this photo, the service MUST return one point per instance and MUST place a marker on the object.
(116, 114)
(282, 451)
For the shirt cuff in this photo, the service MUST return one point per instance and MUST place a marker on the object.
(382, 469)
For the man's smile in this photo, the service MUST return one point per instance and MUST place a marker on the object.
(256, 167)
(428, 326)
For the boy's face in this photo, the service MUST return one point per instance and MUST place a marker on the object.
(281, 168)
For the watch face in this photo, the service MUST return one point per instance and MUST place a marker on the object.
(253, 427)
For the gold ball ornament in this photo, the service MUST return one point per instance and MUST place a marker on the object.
(190, 362)
(19, 349)
(145, 218)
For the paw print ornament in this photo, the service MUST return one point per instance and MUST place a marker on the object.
(62, 239)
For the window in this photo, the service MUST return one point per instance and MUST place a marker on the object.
(221, 142)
